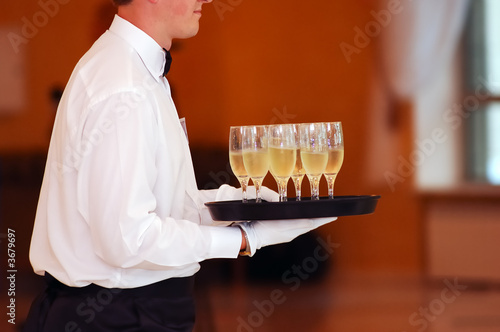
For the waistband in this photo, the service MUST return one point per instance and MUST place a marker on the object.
(173, 287)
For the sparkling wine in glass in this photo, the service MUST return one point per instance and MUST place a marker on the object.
(335, 142)
(255, 155)
(282, 155)
(298, 171)
(236, 159)
(313, 153)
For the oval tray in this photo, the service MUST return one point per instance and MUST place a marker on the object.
(292, 209)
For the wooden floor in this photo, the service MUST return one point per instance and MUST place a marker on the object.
(358, 303)
(374, 303)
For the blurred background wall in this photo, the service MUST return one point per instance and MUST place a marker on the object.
(253, 62)
(263, 62)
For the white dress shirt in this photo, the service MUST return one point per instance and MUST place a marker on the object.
(119, 205)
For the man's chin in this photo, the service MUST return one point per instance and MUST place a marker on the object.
(187, 32)
(195, 30)
(192, 31)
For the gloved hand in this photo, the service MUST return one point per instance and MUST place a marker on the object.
(269, 232)
(229, 193)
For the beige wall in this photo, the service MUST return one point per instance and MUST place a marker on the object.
(51, 52)
(259, 62)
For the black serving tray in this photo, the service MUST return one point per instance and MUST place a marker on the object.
(292, 209)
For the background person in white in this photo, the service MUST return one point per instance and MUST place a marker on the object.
(119, 207)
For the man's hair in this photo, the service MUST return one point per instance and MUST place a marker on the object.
(121, 2)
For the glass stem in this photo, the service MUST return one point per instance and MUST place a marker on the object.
(314, 187)
(298, 184)
(331, 181)
(282, 188)
(257, 183)
(244, 184)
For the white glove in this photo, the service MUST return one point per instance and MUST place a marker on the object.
(228, 193)
(264, 233)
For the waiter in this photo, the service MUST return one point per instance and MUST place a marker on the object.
(121, 227)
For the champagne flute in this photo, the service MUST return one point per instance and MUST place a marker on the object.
(282, 155)
(313, 153)
(298, 171)
(255, 155)
(236, 159)
(335, 142)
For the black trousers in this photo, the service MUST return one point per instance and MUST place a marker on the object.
(166, 306)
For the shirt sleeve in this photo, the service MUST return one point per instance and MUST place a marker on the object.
(116, 179)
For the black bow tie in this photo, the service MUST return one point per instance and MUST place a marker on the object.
(168, 62)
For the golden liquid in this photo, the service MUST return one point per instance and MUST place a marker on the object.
(335, 160)
(282, 161)
(314, 162)
(256, 163)
(236, 161)
(298, 170)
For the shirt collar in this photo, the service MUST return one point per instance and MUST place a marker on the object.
(150, 52)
